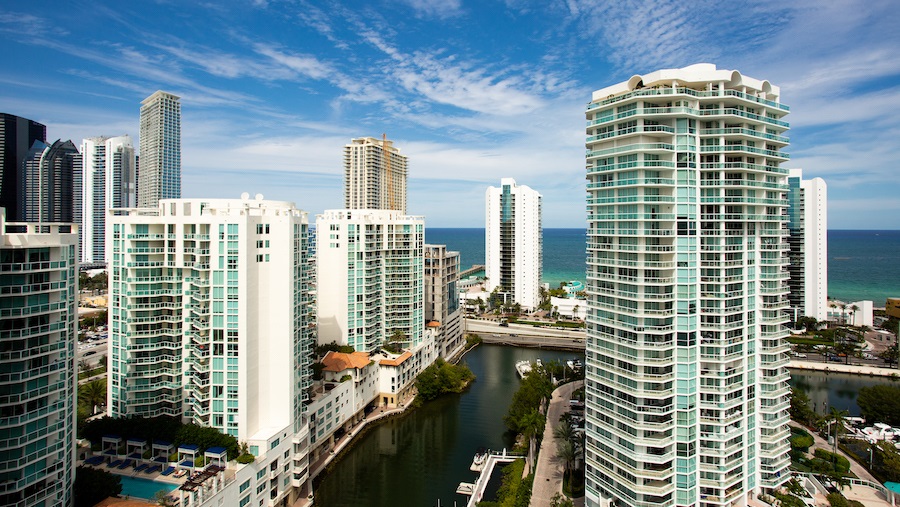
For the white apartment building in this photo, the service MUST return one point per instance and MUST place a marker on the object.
(808, 242)
(370, 278)
(687, 393)
(38, 332)
(442, 311)
(208, 322)
(160, 142)
(375, 175)
(514, 242)
(109, 182)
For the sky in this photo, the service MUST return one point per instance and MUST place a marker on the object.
(471, 92)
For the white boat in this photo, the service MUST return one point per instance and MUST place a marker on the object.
(478, 461)
(524, 367)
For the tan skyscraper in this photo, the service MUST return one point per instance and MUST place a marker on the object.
(374, 175)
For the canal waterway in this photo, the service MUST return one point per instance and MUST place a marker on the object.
(421, 457)
(834, 389)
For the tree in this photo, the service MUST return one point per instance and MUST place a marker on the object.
(808, 323)
(800, 410)
(854, 309)
(162, 498)
(890, 354)
(888, 461)
(575, 311)
(532, 425)
(94, 485)
(92, 394)
(560, 501)
(880, 403)
(565, 451)
(564, 430)
(836, 418)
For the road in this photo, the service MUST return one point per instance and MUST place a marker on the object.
(548, 474)
(526, 335)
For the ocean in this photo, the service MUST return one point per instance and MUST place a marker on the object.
(862, 265)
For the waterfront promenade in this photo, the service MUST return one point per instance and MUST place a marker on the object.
(548, 472)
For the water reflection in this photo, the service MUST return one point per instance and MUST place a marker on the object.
(422, 457)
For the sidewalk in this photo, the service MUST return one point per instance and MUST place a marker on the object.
(548, 473)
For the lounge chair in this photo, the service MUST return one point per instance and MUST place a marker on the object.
(151, 469)
(125, 464)
(168, 471)
(141, 467)
(113, 464)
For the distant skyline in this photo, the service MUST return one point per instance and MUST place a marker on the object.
(471, 92)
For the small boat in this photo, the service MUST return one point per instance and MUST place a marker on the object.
(524, 367)
(478, 462)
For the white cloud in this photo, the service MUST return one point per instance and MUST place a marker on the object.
(436, 8)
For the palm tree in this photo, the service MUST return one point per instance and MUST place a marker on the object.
(563, 431)
(575, 312)
(843, 313)
(836, 417)
(565, 451)
(854, 309)
(532, 425)
(93, 394)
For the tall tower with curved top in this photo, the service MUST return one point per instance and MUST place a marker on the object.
(687, 393)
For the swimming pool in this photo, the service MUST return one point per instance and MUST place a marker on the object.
(143, 488)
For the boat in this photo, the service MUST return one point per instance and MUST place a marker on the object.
(478, 461)
(523, 368)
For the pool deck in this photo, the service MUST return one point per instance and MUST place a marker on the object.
(129, 472)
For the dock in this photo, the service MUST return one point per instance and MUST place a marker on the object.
(476, 491)
(471, 271)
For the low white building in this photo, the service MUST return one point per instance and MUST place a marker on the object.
(397, 373)
(857, 313)
(569, 307)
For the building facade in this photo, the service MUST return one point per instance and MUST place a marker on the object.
(38, 332)
(687, 393)
(160, 144)
(808, 242)
(514, 243)
(52, 188)
(108, 182)
(208, 302)
(17, 136)
(442, 309)
(375, 175)
(370, 278)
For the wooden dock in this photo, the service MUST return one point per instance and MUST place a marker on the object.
(471, 271)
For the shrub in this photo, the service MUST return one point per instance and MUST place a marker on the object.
(841, 464)
(246, 458)
(837, 500)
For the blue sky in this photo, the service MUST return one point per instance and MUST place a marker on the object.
(470, 91)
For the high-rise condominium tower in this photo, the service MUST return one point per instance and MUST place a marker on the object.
(109, 182)
(208, 322)
(442, 299)
(17, 136)
(52, 187)
(160, 142)
(374, 175)
(235, 271)
(514, 242)
(808, 228)
(39, 276)
(687, 392)
(370, 271)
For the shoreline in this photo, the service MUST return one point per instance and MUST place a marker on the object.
(868, 371)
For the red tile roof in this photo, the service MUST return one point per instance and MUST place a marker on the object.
(340, 361)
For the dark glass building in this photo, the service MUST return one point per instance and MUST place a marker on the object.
(17, 136)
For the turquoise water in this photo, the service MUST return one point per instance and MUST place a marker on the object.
(564, 250)
(861, 264)
(143, 488)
